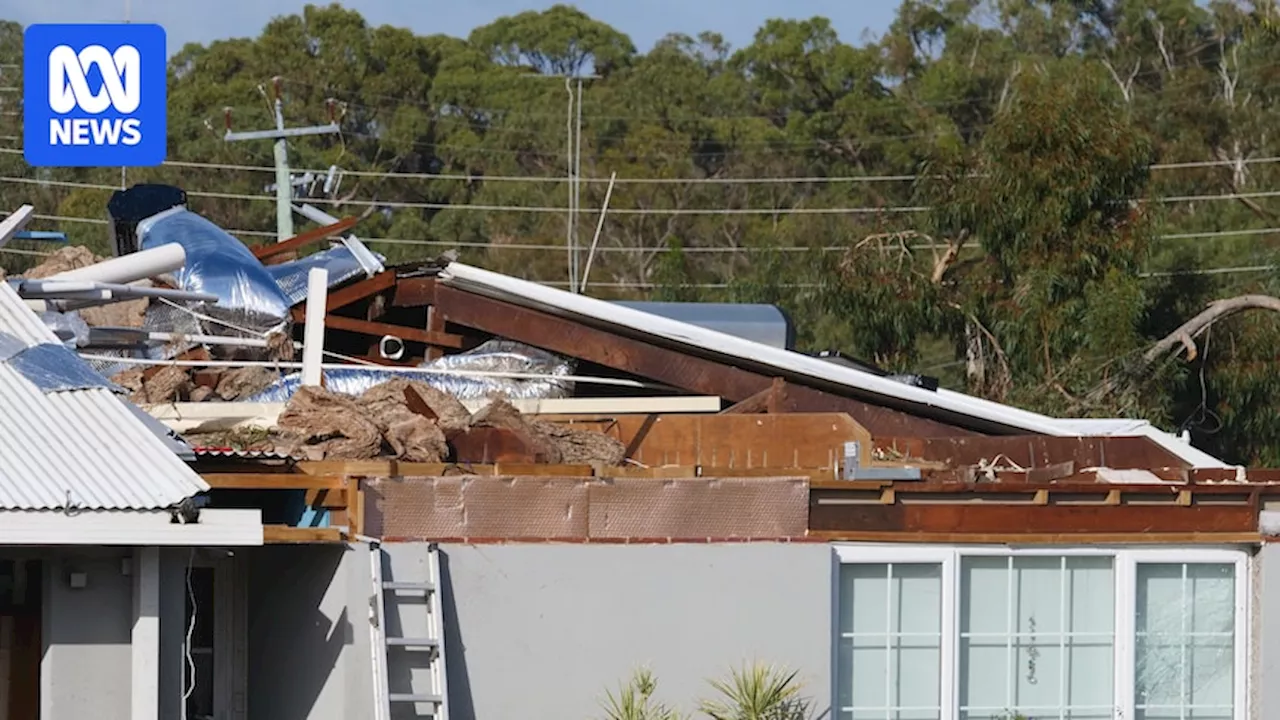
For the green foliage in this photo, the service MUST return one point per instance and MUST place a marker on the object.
(759, 692)
(634, 700)
(755, 692)
(1005, 224)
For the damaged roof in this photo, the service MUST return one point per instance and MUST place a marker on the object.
(797, 366)
(67, 439)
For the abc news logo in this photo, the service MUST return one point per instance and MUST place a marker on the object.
(121, 90)
(95, 95)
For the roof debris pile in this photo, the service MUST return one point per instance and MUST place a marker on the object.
(412, 421)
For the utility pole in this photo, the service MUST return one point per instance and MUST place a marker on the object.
(575, 174)
(284, 186)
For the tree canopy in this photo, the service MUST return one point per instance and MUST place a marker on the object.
(1022, 197)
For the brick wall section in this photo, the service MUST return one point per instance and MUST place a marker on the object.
(611, 510)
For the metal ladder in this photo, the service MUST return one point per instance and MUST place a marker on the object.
(437, 696)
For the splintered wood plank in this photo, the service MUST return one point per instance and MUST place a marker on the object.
(297, 242)
(788, 440)
(285, 534)
(274, 481)
(326, 498)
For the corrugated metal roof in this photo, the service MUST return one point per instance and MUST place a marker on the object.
(791, 364)
(84, 447)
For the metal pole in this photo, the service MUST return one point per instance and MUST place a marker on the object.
(568, 221)
(595, 240)
(577, 179)
(284, 188)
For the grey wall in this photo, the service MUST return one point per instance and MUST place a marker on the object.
(1265, 655)
(87, 667)
(308, 630)
(543, 630)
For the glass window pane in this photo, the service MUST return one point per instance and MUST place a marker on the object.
(1185, 651)
(864, 604)
(889, 660)
(1037, 636)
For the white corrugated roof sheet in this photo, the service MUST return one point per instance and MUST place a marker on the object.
(78, 447)
(788, 363)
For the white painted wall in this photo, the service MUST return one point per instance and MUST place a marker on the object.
(538, 630)
(86, 670)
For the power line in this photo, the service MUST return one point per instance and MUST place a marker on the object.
(803, 179)
(868, 210)
(1212, 234)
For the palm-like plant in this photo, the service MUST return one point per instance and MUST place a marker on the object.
(759, 692)
(634, 700)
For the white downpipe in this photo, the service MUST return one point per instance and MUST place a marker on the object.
(313, 333)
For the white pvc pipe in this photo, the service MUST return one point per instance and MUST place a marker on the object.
(313, 333)
(129, 268)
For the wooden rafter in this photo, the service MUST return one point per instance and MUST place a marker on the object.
(351, 294)
(297, 242)
(676, 368)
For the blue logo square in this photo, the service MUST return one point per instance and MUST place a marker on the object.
(94, 95)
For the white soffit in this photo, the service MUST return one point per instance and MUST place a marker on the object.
(216, 528)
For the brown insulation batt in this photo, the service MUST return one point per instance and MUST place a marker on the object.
(244, 382)
(450, 414)
(329, 425)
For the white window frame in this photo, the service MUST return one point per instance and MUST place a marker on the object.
(1126, 559)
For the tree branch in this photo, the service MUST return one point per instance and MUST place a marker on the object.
(1184, 336)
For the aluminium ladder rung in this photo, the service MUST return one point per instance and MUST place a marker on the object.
(413, 698)
(393, 585)
(413, 642)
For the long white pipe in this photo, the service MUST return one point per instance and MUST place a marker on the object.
(124, 269)
(128, 268)
(313, 333)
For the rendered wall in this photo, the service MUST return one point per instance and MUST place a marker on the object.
(87, 667)
(543, 630)
(308, 645)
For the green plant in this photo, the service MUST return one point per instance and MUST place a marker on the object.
(759, 692)
(634, 700)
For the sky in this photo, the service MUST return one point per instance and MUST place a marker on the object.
(645, 20)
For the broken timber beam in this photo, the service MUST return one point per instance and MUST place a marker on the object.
(766, 401)
(368, 327)
(678, 369)
(297, 242)
(352, 293)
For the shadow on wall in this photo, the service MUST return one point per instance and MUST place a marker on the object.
(461, 706)
(298, 627)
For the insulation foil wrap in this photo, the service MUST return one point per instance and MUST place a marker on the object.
(494, 356)
(340, 262)
(219, 264)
